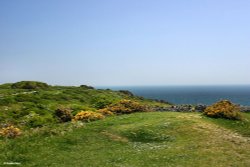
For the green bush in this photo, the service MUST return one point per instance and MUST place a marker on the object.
(101, 101)
(86, 87)
(29, 85)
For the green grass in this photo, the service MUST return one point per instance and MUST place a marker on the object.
(134, 140)
(242, 127)
(141, 139)
(17, 104)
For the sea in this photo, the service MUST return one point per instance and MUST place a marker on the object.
(206, 95)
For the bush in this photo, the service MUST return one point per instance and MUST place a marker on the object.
(29, 85)
(10, 132)
(105, 111)
(126, 107)
(223, 109)
(63, 114)
(101, 100)
(88, 116)
(86, 87)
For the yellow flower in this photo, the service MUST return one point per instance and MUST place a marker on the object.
(10, 132)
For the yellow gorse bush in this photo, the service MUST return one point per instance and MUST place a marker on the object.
(10, 132)
(223, 109)
(126, 107)
(105, 111)
(88, 116)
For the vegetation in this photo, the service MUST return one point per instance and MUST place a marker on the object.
(126, 107)
(223, 109)
(29, 85)
(63, 114)
(88, 116)
(105, 112)
(27, 108)
(138, 139)
(240, 126)
(10, 132)
(65, 126)
(86, 87)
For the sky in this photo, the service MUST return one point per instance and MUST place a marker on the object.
(125, 42)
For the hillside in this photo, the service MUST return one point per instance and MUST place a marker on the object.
(29, 104)
(140, 139)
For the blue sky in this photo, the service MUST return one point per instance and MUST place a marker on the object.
(125, 42)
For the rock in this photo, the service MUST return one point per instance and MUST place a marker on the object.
(200, 107)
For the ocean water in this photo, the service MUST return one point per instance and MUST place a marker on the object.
(192, 94)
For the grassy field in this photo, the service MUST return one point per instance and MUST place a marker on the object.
(134, 140)
(140, 139)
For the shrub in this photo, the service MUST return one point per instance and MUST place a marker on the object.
(29, 85)
(100, 101)
(88, 116)
(86, 87)
(10, 132)
(63, 114)
(126, 107)
(105, 111)
(223, 109)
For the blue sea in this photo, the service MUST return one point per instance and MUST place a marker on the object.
(192, 94)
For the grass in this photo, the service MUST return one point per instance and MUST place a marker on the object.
(134, 140)
(242, 127)
(17, 105)
(141, 139)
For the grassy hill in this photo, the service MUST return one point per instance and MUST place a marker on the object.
(29, 104)
(140, 139)
(143, 139)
